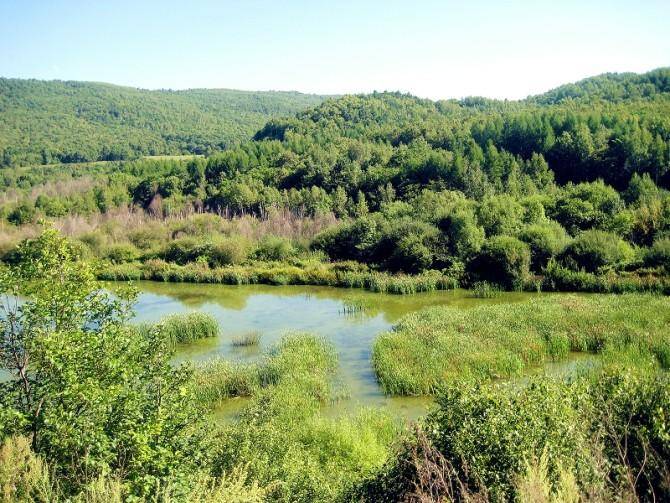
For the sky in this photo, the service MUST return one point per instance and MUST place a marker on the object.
(433, 49)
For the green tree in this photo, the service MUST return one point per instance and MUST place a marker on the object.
(93, 395)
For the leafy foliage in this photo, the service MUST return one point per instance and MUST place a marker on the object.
(93, 397)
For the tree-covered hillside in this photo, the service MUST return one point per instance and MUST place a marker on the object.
(43, 122)
(611, 87)
(569, 195)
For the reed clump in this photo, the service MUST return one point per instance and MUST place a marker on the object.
(248, 339)
(184, 328)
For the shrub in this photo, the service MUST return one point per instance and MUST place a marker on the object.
(228, 251)
(355, 241)
(184, 250)
(659, 254)
(410, 255)
(594, 249)
(274, 248)
(545, 240)
(23, 475)
(148, 237)
(591, 439)
(22, 214)
(94, 240)
(503, 260)
(464, 236)
(586, 205)
(500, 214)
(101, 399)
(121, 253)
(490, 433)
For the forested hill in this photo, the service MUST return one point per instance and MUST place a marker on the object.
(601, 127)
(477, 145)
(613, 87)
(54, 121)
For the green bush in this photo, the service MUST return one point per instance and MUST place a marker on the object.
(121, 253)
(228, 251)
(546, 240)
(274, 248)
(147, 237)
(410, 255)
(358, 240)
(592, 439)
(464, 236)
(22, 214)
(500, 214)
(503, 260)
(659, 254)
(593, 249)
(184, 250)
(101, 401)
(586, 205)
(490, 433)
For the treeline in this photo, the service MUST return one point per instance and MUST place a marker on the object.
(44, 122)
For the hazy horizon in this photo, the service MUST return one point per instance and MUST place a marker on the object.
(168, 89)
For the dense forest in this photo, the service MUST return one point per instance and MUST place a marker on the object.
(49, 122)
(568, 190)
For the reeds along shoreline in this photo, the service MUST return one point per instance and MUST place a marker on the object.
(349, 276)
(274, 273)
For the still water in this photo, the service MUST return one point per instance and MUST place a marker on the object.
(274, 311)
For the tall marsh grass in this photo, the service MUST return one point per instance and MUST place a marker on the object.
(246, 340)
(440, 344)
(184, 328)
(283, 441)
(219, 379)
(298, 357)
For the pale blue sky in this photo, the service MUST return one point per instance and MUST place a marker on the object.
(435, 49)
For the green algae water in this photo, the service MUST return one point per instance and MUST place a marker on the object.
(348, 319)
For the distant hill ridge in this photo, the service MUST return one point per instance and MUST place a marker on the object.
(69, 121)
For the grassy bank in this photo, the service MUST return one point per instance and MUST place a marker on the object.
(441, 344)
(346, 275)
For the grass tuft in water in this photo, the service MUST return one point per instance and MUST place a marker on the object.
(184, 328)
(248, 339)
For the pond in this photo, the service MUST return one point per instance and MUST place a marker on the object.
(349, 319)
